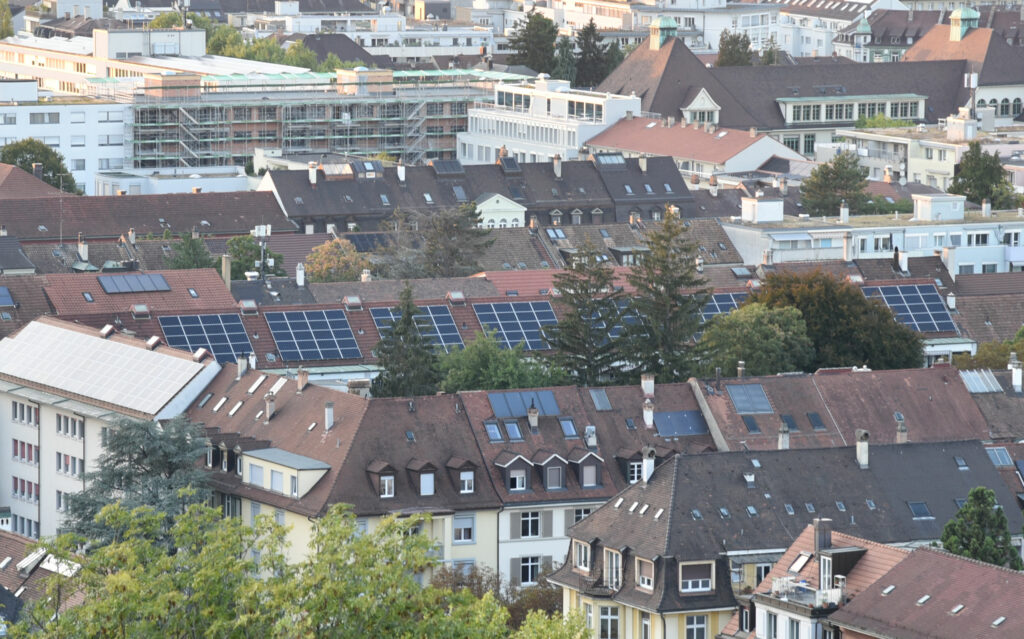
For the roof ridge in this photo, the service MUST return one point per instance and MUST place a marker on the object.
(671, 501)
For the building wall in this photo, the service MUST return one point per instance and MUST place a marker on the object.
(663, 626)
(555, 545)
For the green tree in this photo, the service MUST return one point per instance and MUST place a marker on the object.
(847, 328)
(330, 64)
(980, 176)
(335, 261)
(143, 464)
(299, 55)
(613, 58)
(591, 308)
(221, 38)
(980, 531)
(994, 355)
(664, 313)
(533, 43)
(172, 19)
(453, 241)
(565, 60)
(591, 63)
(245, 256)
(25, 153)
(768, 340)
(881, 121)
(407, 358)
(6, 20)
(191, 252)
(484, 365)
(771, 54)
(733, 50)
(830, 183)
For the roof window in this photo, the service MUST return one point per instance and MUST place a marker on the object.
(696, 514)
(790, 510)
(999, 456)
(923, 600)
(920, 510)
(724, 512)
(568, 427)
(888, 590)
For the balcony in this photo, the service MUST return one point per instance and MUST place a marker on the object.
(786, 589)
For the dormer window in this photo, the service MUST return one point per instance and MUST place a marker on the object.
(387, 486)
(517, 479)
(426, 484)
(223, 460)
(554, 478)
(581, 555)
(635, 471)
(612, 569)
(466, 482)
(238, 464)
(645, 574)
(590, 475)
(695, 577)
(209, 457)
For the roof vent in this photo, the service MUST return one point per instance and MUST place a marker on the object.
(107, 331)
(456, 298)
(140, 311)
(200, 355)
(888, 590)
(923, 600)
(353, 303)
(749, 478)
(957, 608)
(998, 622)
(29, 563)
(153, 342)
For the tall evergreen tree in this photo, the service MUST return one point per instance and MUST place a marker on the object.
(733, 50)
(613, 57)
(665, 310)
(6, 20)
(408, 359)
(843, 178)
(191, 252)
(591, 64)
(980, 531)
(591, 309)
(565, 60)
(453, 241)
(533, 43)
(981, 175)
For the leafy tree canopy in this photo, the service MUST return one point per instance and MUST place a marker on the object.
(847, 329)
(143, 464)
(245, 255)
(191, 252)
(980, 176)
(408, 359)
(767, 340)
(484, 365)
(733, 50)
(335, 261)
(980, 531)
(830, 183)
(533, 43)
(881, 121)
(25, 153)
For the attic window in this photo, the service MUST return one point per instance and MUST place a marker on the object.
(999, 456)
(88, 296)
(410, 437)
(192, 292)
(696, 514)
(799, 563)
(384, 200)
(724, 512)
(870, 503)
(756, 463)
(647, 187)
(998, 622)
(41, 228)
(961, 464)
(790, 510)
(668, 188)
(920, 510)
(568, 427)
(140, 311)
(809, 506)
(630, 424)
(512, 428)
(629, 189)
(888, 590)
(841, 506)
(493, 432)
(298, 200)
(427, 198)
(752, 511)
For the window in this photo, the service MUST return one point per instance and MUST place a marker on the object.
(554, 477)
(792, 141)
(590, 476)
(426, 484)
(238, 465)
(515, 434)
(256, 475)
(697, 627)
(645, 574)
(988, 268)
(529, 570)
(825, 571)
(277, 481)
(294, 484)
(999, 456)
(529, 524)
(579, 514)
(810, 507)
(581, 555)
(694, 577)
(761, 571)
(52, 117)
(920, 510)
(809, 144)
(745, 619)
(493, 432)
(977, 239)
(794, 629)
(517, 479)
(254, 511)
(466, 482)
(612, 569)
(771, 626)
(609, 623)
(635, 471)
(645, 625)
(589, 615)
(568, 427)
(463, 526)
(387, 486)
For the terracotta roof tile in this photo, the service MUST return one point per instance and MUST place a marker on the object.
(17, 184)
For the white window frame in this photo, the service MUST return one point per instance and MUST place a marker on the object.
(635, 471)
(461, 524)
(387, 486)
(581, 555)
(466, 482)
(697, 627)
(612, 569)
(590, 475)
(529, 521)
(559, 477)
(697, 585)
(517, 479)
(426, 484)
(609, 622)
(255, 471)
(529, 566)
(276, 481)
(647, 583)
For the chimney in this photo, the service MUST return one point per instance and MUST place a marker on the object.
(197, 189)
(400, 170)
(37, 170)
(901, 431)
(822, 534)
(647, 384)
(269, 411)
(629, 115)
(243, 367)
(741, 367)
(556, 166)
(312, 174)
(749, 478)
(301, 379)
(3, 230)
(844, 213)
(648, 457)
(862, 448)
(783, 186)
(225, 270)
(1015, 372)
(986, 208)
(531, 415)
(648, 413)
(83, 248)
(300, 274)
(366, 276)
(642, 161)
(699, 262)
(784, 436)
(195, 233)
(122, 192)
(131, 236)
(328, 415)
(753, 132)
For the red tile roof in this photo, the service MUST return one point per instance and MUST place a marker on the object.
(649, 136)
(66, 293)
(17, 184)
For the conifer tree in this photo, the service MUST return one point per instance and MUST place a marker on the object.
(408, 359)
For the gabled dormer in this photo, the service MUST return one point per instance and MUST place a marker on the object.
(702, 109)
(422, 476)
(552, 468)
(462, 474)
(516, 471)
(587, 465)
(382, 478)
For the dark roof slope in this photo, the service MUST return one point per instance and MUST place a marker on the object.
(29, 299)
(997, 62)
(323, 44)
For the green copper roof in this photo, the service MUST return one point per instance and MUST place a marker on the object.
(965, 13)
(863, 26)
(665, 22)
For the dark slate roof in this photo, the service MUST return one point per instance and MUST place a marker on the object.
(30, 300)
(897, 474)
(985, 592)
(12, 257)
(997, 62)
(671, 77)
(347, 50)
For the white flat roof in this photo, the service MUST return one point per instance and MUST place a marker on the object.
(78, 44)
(92, 367)
(214, 64)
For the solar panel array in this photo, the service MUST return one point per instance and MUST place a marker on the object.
(721, 303)
(447, 167)
(517, 403)
(517, 322)
(919, 306)
(749, 399)
(133, 283)
(313, 335)
(435, 323)
(222, 335)
(680, 423)
(366, 242)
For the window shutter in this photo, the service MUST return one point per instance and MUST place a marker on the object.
(545, 565)
(545, 523)
(514, 576)
(570, 518)
(515, 525)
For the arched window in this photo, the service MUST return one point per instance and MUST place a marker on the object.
(1004, 107)
(503, 223)
(1016, 107)
(981, 104)
(490, 224)
(992, 103)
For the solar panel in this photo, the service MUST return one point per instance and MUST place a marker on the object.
(460, 193)
(435, 323)
(721, 303)
(981, 381)
(313, 335)
(517, 192)
(517, 403)
(749, 399)
(517, 322)
(918, 306)
(222, 335)
(133, 283)
(510, 165)
(447, 167)
(600, 398)
(680, 423)
(366, 242)
(5, 297)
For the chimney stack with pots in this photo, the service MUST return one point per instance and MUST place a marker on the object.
(243, 367)
(225, 270)
(532, 414)
(312, 174)
(844, 213)
(784, 436)
(862, 448)
(366, 275)
(83, 248)
(300, 274)
(741, 368)
(556, 166)
(37, 170)
(1016, 371)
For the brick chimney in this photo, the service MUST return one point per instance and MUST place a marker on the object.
(822, 534)
(301, 379)
(269, 410)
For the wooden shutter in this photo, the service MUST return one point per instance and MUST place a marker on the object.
(545, 523)
(515, 525)
(514, 575)
(570, 518)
